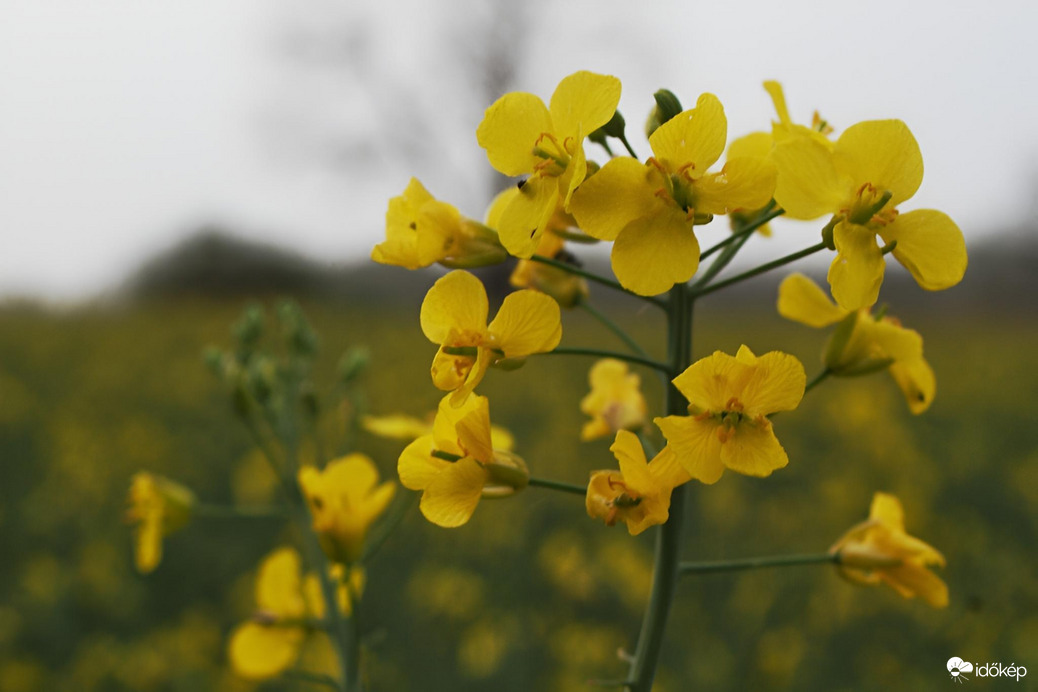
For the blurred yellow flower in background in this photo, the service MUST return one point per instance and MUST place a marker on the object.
(345, 500)
(649, 209)
(421, 230)
(457, 464)
(454, 315)
(522, 136)
(158, 507)
(862, 343)
(861, 179)
(285, 601)
(730, 398)
(635, 494)
(399, 426)
(615, 401)
(878, 550)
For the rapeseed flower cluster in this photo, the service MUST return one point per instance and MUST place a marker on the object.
(652, 211)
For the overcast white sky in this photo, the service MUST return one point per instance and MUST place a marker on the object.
(124, 125)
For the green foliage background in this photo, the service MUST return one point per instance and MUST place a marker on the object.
(531, 594)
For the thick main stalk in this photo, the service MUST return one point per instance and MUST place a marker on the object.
(666, 565)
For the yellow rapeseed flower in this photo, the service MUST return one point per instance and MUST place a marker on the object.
(522, 136)
(636, 494)
(421, 230)
(760, 144)
(345, 500)
(878, 550)
(615, 401)
(649, 209)
(457, 464)
(862, 343)
(730, 399)
(158, 507)
(454, 315)
(285, 599)
(861, 179)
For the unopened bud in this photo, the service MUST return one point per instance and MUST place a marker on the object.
(353, 364)
(667, 106)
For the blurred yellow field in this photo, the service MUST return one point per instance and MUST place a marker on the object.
(530, 594)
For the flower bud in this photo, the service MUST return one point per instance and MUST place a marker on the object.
(667, 106)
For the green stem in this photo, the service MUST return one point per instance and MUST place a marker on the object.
(384, 529)
(757, 563)
(648, 362)
(665, 566)
(613, 327)
(705, 290)
(559, 485)
(339, 630)
(566, 267)
(818, 379)
(767, 215)
(627, 145)
(207, 511)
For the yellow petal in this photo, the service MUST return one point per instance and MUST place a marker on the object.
(510, 129)
(396, 426)
(808, 185)
(400, 247)
(695, 446)
(148, 543)
(258, 652)
(526, 217)
(777, 384)
(416, 465)
(930, 246)
(696, 136)
(631, 457)
(778, 98)
(438, 230)
(474, 432)
(917, 382)
(753, 450)
(583, 102)
(743, 183)
(451, 498)
(475, 376)
(353, 475)
(711, 382)
(448, 415)
(456, 302)
(883, 153)
(654, 252)
(802, 300)
(613, 197)
(278, 584)
(914, 580)
(889, 339)
(754, 145)
(499, 204)
(669, 473)
(501, 438)
(856, 272)
(528, 322)
(450, 372)
(887, 510)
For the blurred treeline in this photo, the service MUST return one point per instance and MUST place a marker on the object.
(531, 594)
